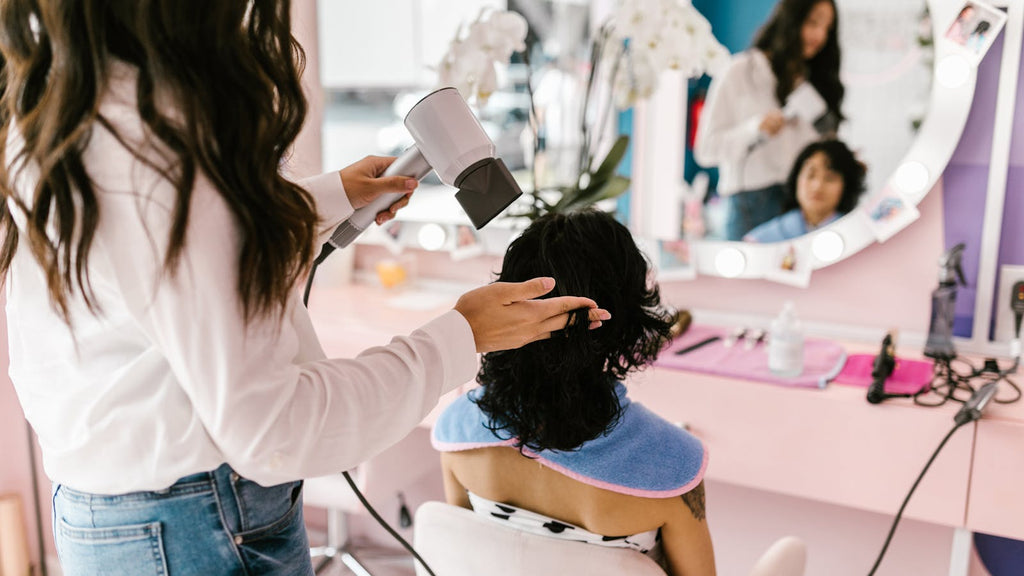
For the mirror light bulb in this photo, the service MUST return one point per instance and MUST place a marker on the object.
(827, 246)
(911, 178)
(953, 71)
(730, 262)
(432, 236)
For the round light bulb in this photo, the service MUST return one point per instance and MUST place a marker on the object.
(827, 246)
(432, 236)
(953, 71)
(911, 178)
(730, 262)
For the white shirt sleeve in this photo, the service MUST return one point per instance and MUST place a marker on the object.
(727, 127)
(273, 417)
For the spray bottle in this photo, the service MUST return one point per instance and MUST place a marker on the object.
(940, 331)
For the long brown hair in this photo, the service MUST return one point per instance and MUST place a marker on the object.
(780, 39)
(231, 69)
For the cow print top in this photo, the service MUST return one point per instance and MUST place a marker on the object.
(645, 542)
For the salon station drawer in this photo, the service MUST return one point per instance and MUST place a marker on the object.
(827, 445)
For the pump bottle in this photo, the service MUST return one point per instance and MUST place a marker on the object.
(786, 344)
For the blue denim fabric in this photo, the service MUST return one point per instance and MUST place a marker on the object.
(749, 209)
(210, 524)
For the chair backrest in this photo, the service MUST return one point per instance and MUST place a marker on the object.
(459, 542)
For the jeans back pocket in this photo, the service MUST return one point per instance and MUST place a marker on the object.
(131, 550)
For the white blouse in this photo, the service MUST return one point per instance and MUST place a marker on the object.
(728, 134)
(167, 379)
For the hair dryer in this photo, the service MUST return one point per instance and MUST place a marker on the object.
(449, 139)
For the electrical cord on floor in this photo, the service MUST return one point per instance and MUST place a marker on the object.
(324, 253)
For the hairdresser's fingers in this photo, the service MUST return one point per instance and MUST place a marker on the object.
(385, 215)
(503, 316)
(563, 305)
(363, 182)
(512, 292)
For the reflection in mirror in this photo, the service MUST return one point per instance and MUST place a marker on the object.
(859, 70)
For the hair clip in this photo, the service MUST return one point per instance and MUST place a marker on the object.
(736, 334)
(756, 337)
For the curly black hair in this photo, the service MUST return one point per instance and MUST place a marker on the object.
(780, 39)
(558, 393)
(840, 160)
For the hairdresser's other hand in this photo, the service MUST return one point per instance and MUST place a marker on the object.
(363, 184)
(504, 315)
(772, 122)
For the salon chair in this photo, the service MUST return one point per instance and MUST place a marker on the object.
(396, 471)
(459, 542)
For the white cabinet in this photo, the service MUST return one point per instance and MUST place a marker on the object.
(388, 43)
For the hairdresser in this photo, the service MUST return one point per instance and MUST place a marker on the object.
(152, 254)
(760, 111)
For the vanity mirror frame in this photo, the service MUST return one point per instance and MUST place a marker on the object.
(658, 166)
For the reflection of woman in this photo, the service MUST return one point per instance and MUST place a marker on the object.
(825, 183)
(551, 442)
(748, 131)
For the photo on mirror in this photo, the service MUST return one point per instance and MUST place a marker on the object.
(888, 213)
(975, 28)
(791, 264)
(670, 259)
(467, 243)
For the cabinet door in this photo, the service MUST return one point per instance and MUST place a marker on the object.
(996, 501)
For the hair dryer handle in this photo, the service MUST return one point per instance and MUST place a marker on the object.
(412, 164)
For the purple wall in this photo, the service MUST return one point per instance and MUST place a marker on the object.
(966, 182)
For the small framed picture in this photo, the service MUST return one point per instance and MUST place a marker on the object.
(675, 260)
(467, 242)
(791, 264)
(975, 28)
(888, 213)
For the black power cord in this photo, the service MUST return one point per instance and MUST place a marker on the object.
(324, 253)
(906, 500)
(970, 412)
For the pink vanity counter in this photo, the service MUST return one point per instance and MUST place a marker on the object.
(828, 445)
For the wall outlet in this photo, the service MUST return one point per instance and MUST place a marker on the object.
(1008, 276)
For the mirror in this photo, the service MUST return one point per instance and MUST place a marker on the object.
(902, 120)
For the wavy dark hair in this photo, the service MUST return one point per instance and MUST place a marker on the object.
(780, 39)
(230, 72)
(840, 160)
(559, 393)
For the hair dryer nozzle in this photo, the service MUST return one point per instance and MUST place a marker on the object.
(486, 188)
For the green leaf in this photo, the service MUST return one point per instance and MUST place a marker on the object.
(611, 161)
(613, 188)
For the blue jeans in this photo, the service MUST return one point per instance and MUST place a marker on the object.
(210, 524)
(749, 209)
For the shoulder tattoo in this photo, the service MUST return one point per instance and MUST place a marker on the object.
(694, 500)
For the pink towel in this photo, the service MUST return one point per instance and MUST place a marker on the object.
(823, 359)
(908, 377)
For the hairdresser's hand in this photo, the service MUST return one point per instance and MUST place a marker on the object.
(363, 183)
(772, 122)
(504, 315)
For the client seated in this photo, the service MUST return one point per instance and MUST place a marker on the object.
(550, 442)
(825, 183)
